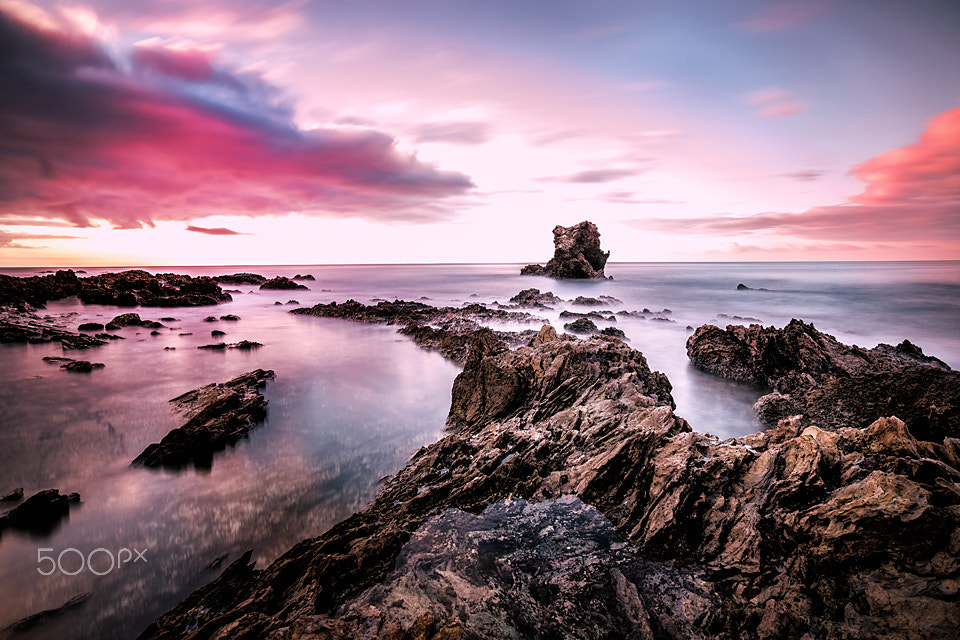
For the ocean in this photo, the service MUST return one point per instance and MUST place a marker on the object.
(350, 403)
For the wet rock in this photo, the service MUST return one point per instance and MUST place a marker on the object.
(293, 302)
(127, 320)
(282, 282)
(210, 319)
(577, 254)
(613, 332)
(81, 366)
(216, 333)
(581, 325)
(27, 327)
(220, 346)
(217, 415)
(230, 317)
(243, 345)
(241, 278)
(168, 319)
(593, 315)
(39, 514)
(13, 496)
(108, 336)
(797, 356)
(151, 324)
(303, 277)
(26, 624)
(533, 298)
(90, 326)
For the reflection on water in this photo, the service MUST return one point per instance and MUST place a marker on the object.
(349, 404)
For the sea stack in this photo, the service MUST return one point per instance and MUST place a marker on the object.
(576, 254)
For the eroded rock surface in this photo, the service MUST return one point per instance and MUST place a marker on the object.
(217, 415)
(576, 254)
(795, 532)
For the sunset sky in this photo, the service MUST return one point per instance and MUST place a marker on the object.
(185, 132)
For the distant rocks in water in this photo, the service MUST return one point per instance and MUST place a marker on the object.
(217, 415)
(127, 320)
(282, 283)
(576, 255)
(723, 316)
(241, 278)
(168, 319)
(303, 277)
(446, 329)
(613, 332)
(230, 317)
(243, 345)
(534, 299)
(293, 302)
(210, 319)
(581, 325)
(743, 287)
(26, 327)
(593, 315)
(41, 513)
(216, 333)
(81, 366)
(90, 326)
(595, 302)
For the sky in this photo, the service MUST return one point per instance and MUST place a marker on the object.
(192, 132)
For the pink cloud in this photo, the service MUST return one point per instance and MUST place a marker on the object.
(774, 102)
(783, 15)
(912, 194)
(173, 137)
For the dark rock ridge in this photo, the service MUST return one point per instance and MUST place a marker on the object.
(125, 289)
(595, 302)
(533, 298)
(243, 345)
(81, 366)
(26, 624)
(16, 495)
(581, 325)
(217, 415)
(241, 278)
(830, 384)
(445, 329)
(576, 254)
(790, 533)
(41, 513)
(282, 283)
(303, 277)
(797, 356)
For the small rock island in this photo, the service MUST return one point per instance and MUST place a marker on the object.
(576, 255)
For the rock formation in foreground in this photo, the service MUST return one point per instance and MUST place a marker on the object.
(217, 415)
(832, 384)
(790, 533)
(576, 254)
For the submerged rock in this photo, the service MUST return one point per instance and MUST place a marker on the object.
(41, 513)
(81, 366)
(241, 278)
(576, 255)
(217, 415)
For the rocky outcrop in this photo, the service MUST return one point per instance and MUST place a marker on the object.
(41, 513)
(576, 254)
(27, 327)
(282, 283)
(830, 384)
(532, 298)
(794, 532)
(217, 415)
(795, 357)
(243, 345)
(581, 325)
(125, 289)
(448, 330)
(81, 366)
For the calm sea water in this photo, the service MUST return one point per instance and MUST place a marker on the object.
(350, 404)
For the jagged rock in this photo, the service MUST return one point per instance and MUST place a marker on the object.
(576, 255)
(230, 317)
(217, 416)
(27, 327)
(613, 332)
(282, 282)
(81, 366)
(581, 325)
(792, 532)
(593, 315)
(210, 319)
(241, 278)
(797, 356)
(39, 514)
(533, 298)
(303, 277)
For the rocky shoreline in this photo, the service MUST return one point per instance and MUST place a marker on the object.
(836, 530)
